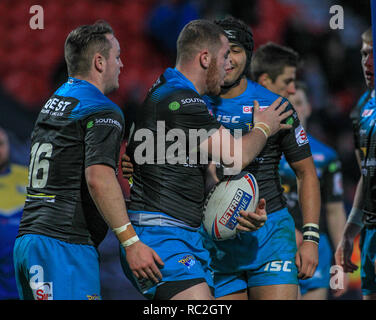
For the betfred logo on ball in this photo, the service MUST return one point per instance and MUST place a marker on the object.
(224, 202)
(240, 201)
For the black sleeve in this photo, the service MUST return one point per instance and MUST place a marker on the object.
(294, 142)
(103, 135)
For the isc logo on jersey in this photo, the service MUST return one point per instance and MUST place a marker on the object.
(227, 119)
(301, 136)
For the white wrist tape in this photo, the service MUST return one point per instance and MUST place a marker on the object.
(311, 233)
(130, 241)
(356, 217)
(264, 128)
(121, 229)
(263, 131)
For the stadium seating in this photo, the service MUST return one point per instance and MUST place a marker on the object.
(30, 58)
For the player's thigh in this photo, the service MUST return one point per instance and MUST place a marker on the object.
(199, 291)
(274, 292)
(316, 294)
(240, 295)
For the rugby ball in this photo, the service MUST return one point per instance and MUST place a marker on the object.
(224, 202)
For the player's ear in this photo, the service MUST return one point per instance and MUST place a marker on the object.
(264, 79)
(99, 62)
(205, 58)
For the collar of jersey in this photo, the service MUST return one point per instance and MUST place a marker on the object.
(175, 74)
(75, 81)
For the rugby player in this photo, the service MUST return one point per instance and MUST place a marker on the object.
(332, 217)
(264, 264)
(261, 265)
(72, 181)
(167, 199)
(362, 215)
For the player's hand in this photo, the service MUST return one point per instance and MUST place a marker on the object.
(143, 261)
(307, 259)
(252, 221)
(343, 255)
(272, 116)
(126, 166)
(298, 238)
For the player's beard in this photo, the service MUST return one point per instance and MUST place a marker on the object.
(212, 79)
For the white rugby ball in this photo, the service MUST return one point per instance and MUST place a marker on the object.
(224, 202)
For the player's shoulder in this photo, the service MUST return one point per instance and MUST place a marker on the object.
(368, 108)
(365, 98)
(363, 104)
(260, 93)
(90, 99)
(173, 85)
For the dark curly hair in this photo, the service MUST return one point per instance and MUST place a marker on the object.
(239, 32)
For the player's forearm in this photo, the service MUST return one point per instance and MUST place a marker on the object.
(234, 152)
(354, 221)
(252, 144)
(336, 219)
(358, 196)
(309, 197)
(106, 194)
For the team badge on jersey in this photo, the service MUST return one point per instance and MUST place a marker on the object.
(301, 136)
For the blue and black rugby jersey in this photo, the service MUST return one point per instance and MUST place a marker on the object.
(171, 111)
(237, 113)
(367, 147)
(76, 128)
(328, 169)
(355, 114)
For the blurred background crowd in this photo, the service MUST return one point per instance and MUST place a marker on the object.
(32, 61)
